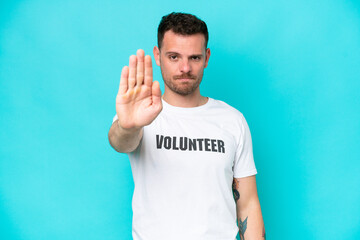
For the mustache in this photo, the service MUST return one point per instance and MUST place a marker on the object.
(189, 76)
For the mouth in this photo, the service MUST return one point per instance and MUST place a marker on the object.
(184, 78)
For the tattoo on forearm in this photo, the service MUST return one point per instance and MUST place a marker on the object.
(236, 194)
(242, 228)
(235, 191)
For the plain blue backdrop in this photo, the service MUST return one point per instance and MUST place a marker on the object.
(291, 67)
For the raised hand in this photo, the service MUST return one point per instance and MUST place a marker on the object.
(138, 101)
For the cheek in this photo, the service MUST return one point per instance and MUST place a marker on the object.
(199, 68)
(169, 68)
(165, 69)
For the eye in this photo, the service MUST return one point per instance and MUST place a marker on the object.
(173, 57)
(195, 58)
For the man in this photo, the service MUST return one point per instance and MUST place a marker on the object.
(190, 155)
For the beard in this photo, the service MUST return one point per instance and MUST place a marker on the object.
(180, 87)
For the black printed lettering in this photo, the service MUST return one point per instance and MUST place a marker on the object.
(213, 145)
(192, 144)
(167, 142)
(174, 144)
(221, 146)
(200, 141)
(207, 145)
(183, 143)
(159, 141)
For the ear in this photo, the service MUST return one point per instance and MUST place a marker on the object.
(156, 52)
(207, 56)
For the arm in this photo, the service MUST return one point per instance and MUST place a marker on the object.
(138, 103)
(249, 217)
(124, 140)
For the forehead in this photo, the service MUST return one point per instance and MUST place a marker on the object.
(183, 44)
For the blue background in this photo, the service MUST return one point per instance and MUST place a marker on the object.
(291, 67)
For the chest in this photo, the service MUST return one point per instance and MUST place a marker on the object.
(189, 145)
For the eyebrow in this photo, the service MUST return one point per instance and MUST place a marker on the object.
(176, 53)
(197, 55)
(168, 53)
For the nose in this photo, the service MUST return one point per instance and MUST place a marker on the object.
(185, 66)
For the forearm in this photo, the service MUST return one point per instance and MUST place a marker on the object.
(124, 140)
(250, 220)
(248, 211)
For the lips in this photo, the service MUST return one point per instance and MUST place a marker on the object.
(184, 78)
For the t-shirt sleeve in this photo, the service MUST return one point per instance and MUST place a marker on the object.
(244, 164)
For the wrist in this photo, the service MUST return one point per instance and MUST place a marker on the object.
(128, 130)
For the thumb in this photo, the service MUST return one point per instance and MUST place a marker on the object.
(156, 95)
(156, 92)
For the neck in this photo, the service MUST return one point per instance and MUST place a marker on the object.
(192, 100)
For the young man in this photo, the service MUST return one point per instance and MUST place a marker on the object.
(190, 155)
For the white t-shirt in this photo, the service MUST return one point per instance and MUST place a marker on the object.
(183, 171)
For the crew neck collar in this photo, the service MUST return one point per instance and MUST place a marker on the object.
(185, 110)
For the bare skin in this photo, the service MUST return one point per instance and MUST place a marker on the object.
(138, 103)
(249, 216)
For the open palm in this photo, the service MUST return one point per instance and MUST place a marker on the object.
(138, 101)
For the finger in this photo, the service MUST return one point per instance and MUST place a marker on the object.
(148, 71)
(140, 67)
(123, 87)
(156, 92)
(156, 96)
(132, 72)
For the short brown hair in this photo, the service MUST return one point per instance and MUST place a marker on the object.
(183, 24)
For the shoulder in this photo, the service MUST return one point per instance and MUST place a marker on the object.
(226, 109)
(229, 116)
